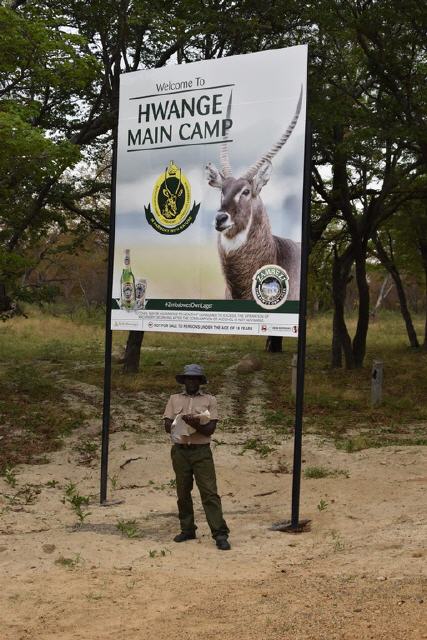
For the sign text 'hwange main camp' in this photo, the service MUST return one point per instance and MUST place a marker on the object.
(174, 120)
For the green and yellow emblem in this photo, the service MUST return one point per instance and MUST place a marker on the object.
(171, 202)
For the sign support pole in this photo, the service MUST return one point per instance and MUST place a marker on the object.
(295, 525)
(108, 331)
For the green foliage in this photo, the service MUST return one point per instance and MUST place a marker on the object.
(154, 553)
(350, 445)
(254, 444)
(69, 563)
(27, 494)
(76, 501)
(323, 505)
(323, 472)
(369, 153)
(320, 275)
(45, 71)
(338, 542)
(113, 481)
(9, 476)
(11, 265)
(129, 528)
(403, 235)
(164, 486)
(87, 450)
(52, 484)
(70, 489)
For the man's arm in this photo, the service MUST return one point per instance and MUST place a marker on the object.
(204, 429)
(169, 415)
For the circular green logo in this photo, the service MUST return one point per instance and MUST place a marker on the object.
(270, 286)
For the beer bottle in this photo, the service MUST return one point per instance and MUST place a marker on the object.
(127, 284)
(140, 289)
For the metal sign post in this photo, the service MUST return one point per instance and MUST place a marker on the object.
(299, 402)
(108, 331)
(296, 525)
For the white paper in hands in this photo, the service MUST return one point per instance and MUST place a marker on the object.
(204, 416)
(181, 431)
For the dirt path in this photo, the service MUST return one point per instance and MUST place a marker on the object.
(361, 572)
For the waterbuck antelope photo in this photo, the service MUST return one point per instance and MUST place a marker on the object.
(245, 239)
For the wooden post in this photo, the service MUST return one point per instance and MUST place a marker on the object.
(294, 375)
(377, 383)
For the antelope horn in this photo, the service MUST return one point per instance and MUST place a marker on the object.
(223, 151)
(267, 157)
(166, 183)
(180, 182)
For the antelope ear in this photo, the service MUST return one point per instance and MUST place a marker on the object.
(261, 178)
(213, 176)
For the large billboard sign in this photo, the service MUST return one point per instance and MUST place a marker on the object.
(209, 196)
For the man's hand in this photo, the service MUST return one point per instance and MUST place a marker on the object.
(192, 421)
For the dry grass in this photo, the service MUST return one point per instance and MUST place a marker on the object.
(36, 352)
(337, 402)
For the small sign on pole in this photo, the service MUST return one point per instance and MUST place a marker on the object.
(377, 383)
(294, 375)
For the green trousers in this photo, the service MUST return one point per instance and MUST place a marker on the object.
(197, 463)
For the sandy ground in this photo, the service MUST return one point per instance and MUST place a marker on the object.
(359, 573)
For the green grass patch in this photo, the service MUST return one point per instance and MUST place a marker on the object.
(322, 505)
(35, 353)
(87, 450)
(254, 444)
(337, 401)
(323, 472)
(129, 528)
(77, 502)
(69, 563)
(33, 417)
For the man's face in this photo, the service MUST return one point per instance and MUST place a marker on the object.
(192, 384)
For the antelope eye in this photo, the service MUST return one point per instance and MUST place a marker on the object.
(246, 192)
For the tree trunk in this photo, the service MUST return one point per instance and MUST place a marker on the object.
(342, 264)
(406, 314)
(389, 264)
(274, 344)
(133, 352)
(341, 341)
(336, 343)
(423, 251)
(5, 301)
(425, 322)
(359, 340)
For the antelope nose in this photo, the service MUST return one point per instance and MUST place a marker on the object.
(220, 220)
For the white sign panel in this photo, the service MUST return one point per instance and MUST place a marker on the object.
(209, 196)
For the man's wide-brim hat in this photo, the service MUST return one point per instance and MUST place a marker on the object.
(191, 371)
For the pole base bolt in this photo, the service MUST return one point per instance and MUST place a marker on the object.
(286, 526)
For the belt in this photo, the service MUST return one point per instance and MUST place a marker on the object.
(191, 446)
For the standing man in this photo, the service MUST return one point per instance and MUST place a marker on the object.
(192, 456)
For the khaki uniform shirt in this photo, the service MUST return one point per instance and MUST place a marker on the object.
(184, 403)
